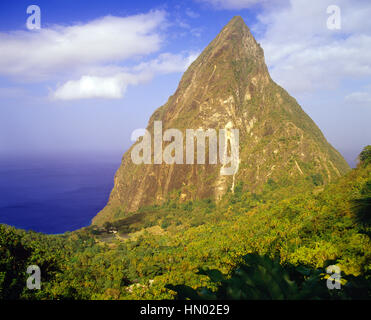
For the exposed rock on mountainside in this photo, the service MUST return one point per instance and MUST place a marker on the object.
(228, 85)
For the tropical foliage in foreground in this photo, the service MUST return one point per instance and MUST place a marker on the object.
(259, 277)
(259, 246)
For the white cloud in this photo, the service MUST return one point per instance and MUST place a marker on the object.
(190, 13)
(37, 55)
(231, 4)
(90, 55)
(168, 63)
(114, 86)
(303, 55)
(88, 87)
(359, 98)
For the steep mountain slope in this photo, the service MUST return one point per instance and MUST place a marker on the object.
(228, 86)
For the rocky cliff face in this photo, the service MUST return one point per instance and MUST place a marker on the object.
(228, 86)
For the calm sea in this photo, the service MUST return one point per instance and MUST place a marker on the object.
(54, 194)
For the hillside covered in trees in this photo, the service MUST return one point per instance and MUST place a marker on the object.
(274, 244)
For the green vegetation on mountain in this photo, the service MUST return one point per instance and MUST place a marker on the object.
(185, 231)
(229, 85)
(262, 278)
(142, 258)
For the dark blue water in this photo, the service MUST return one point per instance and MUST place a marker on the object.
(54, 194)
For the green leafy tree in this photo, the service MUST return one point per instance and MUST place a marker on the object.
(365, 155)
(262, 278)
(13, 264)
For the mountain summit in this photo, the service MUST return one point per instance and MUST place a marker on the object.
(229, 86)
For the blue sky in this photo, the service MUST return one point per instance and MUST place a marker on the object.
(96, 70)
